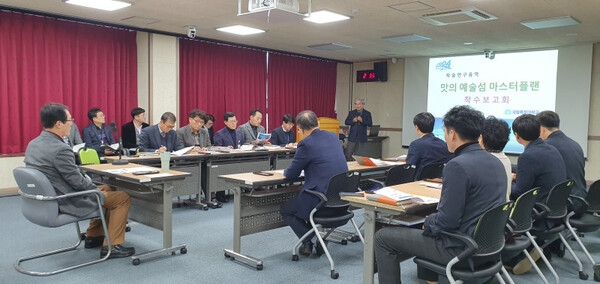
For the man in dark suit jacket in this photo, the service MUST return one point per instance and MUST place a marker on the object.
(570, 151)
(160, 137)
(131, 131)
(474, 182)
(229, 136)
(428, 148)
(284, 136)
(50, 155)
(358, 120)
(97, 135)
(321, 156)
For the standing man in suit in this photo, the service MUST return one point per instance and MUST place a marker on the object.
(98, 134)
(321, 157)
(194, 134)
(160, 137)
(284, 136)
(358, 120)
(229, 136)
(474, 182)
(50, 155)
(252, 127)
(130, 131)
(428, 148)
(570, 151)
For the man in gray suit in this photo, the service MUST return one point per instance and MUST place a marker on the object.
(49, 154)
(252, 127)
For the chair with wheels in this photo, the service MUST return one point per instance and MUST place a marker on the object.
(433, 170)
(519, 224)
(587, 220)
(330, 213)
(40, 206)
(554, 212)
(481, 257)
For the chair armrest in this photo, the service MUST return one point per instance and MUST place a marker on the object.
(584, 202)
(509, 230)
(321, 196)
(95, 192)
(470, 244)
(540, 210)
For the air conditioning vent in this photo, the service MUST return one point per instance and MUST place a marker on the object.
(465, 15)
(260, 5)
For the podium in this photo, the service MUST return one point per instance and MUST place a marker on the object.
(327, 124)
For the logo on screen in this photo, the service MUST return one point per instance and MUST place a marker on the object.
(444, 65)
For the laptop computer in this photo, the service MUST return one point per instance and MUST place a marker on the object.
(374, 132)
(365, 161)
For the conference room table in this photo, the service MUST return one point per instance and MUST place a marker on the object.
(206, 166)
(257, 199)
(372, 208)
(151, 199)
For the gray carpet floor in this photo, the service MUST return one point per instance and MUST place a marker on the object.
(206, 234)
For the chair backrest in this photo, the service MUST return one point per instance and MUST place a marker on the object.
(88, 156)
(593, 197)
(400, 174)
(342, 182)
(557, 199)
(34, 182)
(521, 213)
(433, 170)
(489, 232)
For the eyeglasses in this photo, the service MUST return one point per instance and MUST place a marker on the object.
(199, 121)
(71, 120)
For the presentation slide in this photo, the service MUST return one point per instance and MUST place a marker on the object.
(510, 85)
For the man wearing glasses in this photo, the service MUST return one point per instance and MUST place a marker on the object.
(160, 137)
(194, 134)
(98, 135)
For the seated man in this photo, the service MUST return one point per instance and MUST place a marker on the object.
(321, 157)
(194, 134)
(284, 136)
(428, 148)
(474, 182)
(74, 137)
(50, 155)
(97, 135)
(208, 125)
(160, 137)
(493, 138)
(252, 127)
(569, 150)
(229, 136)
(130, 131)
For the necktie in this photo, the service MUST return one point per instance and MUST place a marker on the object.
(163, 134)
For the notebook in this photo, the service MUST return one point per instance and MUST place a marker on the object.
(374, 132)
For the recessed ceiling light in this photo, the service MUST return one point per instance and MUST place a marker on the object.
(107, 5)
(324, 16)
(467, 43)
(550, 23)
(406, 38)
(240, 30)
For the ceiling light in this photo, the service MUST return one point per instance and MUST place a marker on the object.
(406, 38)
(240, 30)
(324, 16)
(330, 46)
(550, 23)
(107, 5)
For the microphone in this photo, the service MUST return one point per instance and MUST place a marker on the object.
(113, 128)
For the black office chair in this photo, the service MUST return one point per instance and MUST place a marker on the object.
(40, 206)
(400, 174)
(588, 220)
(554, 212)
(519, 224)
(481, 257)
(433, 170)
(331, 212)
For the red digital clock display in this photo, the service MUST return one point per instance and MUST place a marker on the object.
(366, 76)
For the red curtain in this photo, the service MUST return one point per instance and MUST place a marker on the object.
(49, 60)
(297, 84)
(218, 78)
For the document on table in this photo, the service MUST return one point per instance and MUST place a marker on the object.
(128, 170)
(77, 147)
(182, 151)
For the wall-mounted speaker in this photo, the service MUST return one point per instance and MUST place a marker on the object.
(381, 70)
